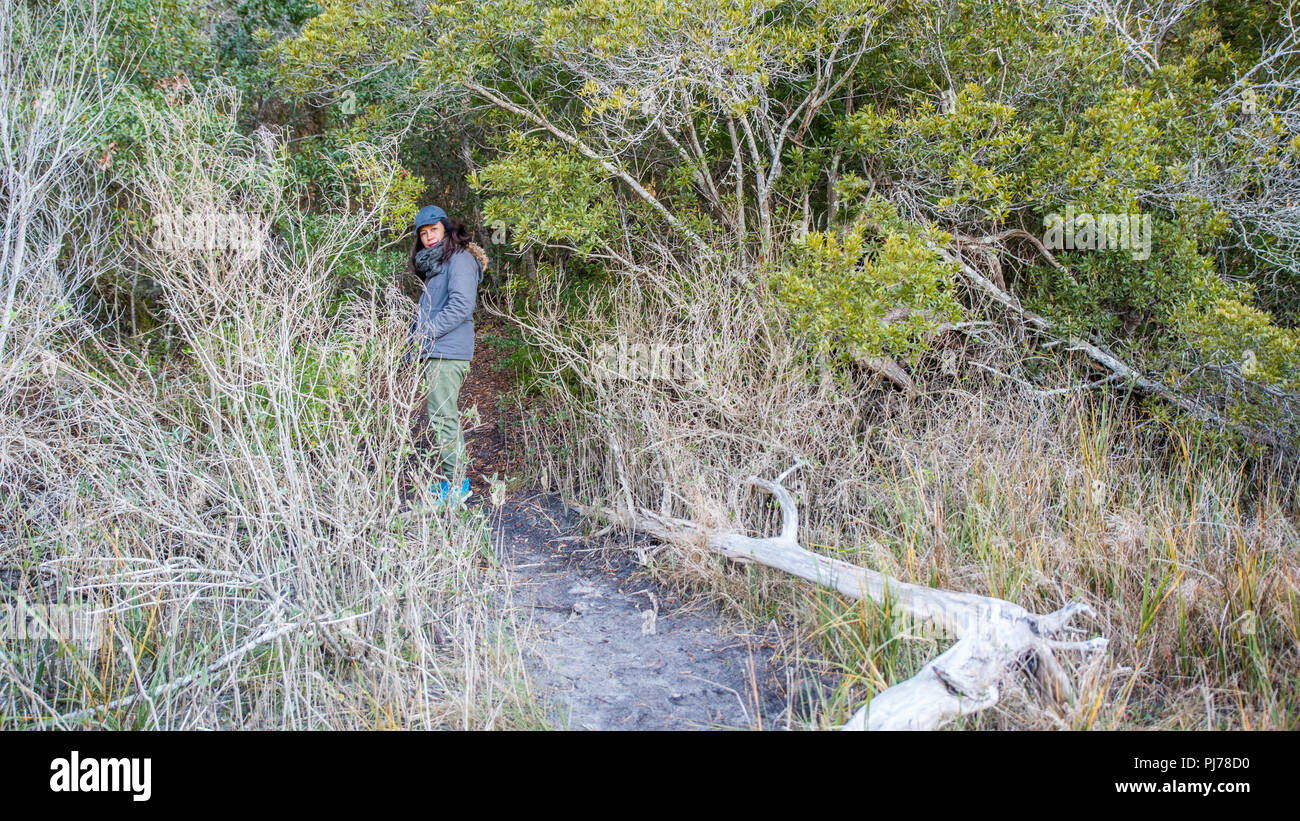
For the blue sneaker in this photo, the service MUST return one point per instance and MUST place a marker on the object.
(442, 491)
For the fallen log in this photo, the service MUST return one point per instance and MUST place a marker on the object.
(996, 639)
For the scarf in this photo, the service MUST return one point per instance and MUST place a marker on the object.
(428, 261)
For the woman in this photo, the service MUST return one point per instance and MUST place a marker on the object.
(442, 332)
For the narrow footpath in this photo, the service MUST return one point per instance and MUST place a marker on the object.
(612, 651)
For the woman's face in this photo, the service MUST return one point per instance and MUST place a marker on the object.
(431, 235)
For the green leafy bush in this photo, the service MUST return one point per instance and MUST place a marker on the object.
(546, 195)
(878, 288)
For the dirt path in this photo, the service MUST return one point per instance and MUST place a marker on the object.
(616, 652)
(613, 651)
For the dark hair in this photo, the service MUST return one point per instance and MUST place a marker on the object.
(455, 237)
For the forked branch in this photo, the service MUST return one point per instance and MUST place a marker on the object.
(996, 639)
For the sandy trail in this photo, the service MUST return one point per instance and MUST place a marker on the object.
(614, 652)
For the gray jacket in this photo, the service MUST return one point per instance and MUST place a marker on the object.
(443, 327)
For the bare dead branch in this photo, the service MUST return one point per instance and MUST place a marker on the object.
(994, 637)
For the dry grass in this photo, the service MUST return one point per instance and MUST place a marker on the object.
(236, 512)
(1187, 549)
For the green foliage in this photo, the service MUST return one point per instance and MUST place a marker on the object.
(341, 35)
(972, 118)
(1048, 117)
(365, 269)
(968, 151)
(1228, 329)
(1118, 295)
(877, 289)
(392, 190)
(547, 195)
(1240, 354)
(241, 36)
(150, 41)
(516, 356)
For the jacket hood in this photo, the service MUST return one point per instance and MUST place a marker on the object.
(480, 255)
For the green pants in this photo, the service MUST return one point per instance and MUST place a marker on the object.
(445, 377)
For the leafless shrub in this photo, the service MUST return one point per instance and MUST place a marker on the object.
(1140, 26)
(51, 107)
(239, 513)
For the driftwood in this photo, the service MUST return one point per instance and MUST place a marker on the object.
(996, 640)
